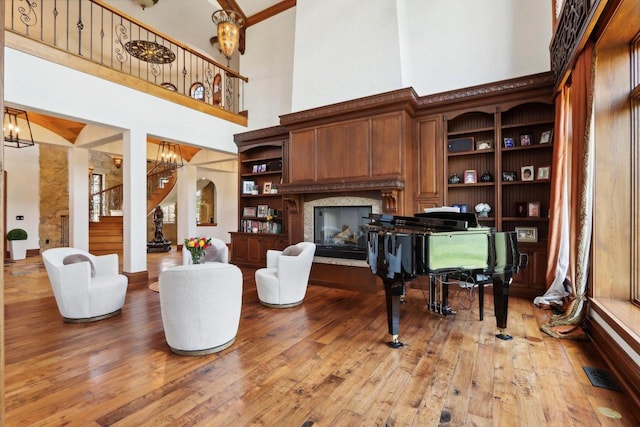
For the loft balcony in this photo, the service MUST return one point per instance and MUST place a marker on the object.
(92, 37)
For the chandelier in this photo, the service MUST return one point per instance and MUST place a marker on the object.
(169, 157)
(146, 3)
(228, 23)
(11, 130)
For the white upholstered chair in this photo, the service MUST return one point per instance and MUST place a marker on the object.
(86, 287)
(283, 283)
(200, 306)
(221, 252)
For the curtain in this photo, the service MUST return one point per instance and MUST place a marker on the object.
(571, 203)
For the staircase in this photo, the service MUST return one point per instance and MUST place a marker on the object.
(106, 236)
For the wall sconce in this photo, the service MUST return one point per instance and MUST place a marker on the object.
(117, 161)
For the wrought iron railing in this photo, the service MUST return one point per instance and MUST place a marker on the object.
(97, 32)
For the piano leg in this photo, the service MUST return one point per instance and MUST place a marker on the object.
(501, 304)
(394, 292)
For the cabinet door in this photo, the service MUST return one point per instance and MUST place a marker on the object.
(238, 249)
(255, 252)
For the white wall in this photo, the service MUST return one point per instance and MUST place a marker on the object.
(23, 191)
(461, 43)
(346, 49)
(269, 59)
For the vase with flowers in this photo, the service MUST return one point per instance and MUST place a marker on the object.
(196, 246)
(483, 209)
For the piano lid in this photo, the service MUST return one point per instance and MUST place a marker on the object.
(419, 223)
(469, 217)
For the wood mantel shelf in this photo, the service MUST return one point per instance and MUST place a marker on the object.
(332, 187)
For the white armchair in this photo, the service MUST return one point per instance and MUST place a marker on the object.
(221, 252)
(283, 283)
(200, 306)
(86, 287)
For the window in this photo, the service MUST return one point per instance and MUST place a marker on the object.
(197, 91)
(96, 185)
(169, 213)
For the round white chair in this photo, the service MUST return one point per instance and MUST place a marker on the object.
(200, 306)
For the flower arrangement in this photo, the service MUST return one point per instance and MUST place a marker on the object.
(197, 245)
(483, 209)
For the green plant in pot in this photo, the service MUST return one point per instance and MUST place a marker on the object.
(17, 238)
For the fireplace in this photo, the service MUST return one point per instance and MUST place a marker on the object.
(338, 231)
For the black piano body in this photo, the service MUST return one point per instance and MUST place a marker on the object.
(442, 244)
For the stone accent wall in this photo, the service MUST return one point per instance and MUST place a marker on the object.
(103, 164)
(54, 195)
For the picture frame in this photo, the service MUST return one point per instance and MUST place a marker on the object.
(544, 173)
(526, 139)
(546, 136)
(266, 188)
(486, 144)
(533, 209)
(262, 167)
(254, 169)
(526, 234)
(247, 186)
(527, 173)
(508, 142)
(262, 211)
(249, 211)
(509, 176)
(470, 176)
(521, 209)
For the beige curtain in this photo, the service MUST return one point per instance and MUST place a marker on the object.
(571, 203)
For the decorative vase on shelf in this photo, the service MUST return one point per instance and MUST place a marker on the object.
(483, 214)
(454, 179)
(486, 177)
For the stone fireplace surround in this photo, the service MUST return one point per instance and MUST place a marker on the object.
(347, 200)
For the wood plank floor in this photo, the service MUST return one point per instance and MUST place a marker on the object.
(324, 363)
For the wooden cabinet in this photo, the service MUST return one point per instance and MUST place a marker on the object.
(261, 222)
(513, 145)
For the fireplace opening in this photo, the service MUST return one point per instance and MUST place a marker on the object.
(339, 232)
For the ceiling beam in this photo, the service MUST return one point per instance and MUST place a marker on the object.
(269, 12)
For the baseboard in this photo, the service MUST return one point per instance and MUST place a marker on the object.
(618, 361)
(138, 280)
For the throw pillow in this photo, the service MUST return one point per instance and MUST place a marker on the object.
(74, 258)
(292, 250)
(211, 254)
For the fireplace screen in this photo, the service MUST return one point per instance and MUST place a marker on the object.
(338, 231)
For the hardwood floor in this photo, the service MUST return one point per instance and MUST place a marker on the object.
(323, 363)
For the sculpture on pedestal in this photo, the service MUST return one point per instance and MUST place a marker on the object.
(159, 243)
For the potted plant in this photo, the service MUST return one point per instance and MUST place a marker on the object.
(17, 243)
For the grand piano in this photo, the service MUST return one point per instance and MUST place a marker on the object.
(444, 246)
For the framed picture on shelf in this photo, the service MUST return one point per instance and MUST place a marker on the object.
(545, 137)
(544, 172)
(525, 139)
(526, 234)
(533, 209)
(521, 209)
(262, 211)
(527, 173)
(486, 144)
(508, 142)
(509, 176)
(247, 186)
(254, 169)
(470, 176)
(249, 211)
(267, 188)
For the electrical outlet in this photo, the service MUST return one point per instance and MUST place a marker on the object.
(19, 217)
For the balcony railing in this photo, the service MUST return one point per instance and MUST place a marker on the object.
(95, 31)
